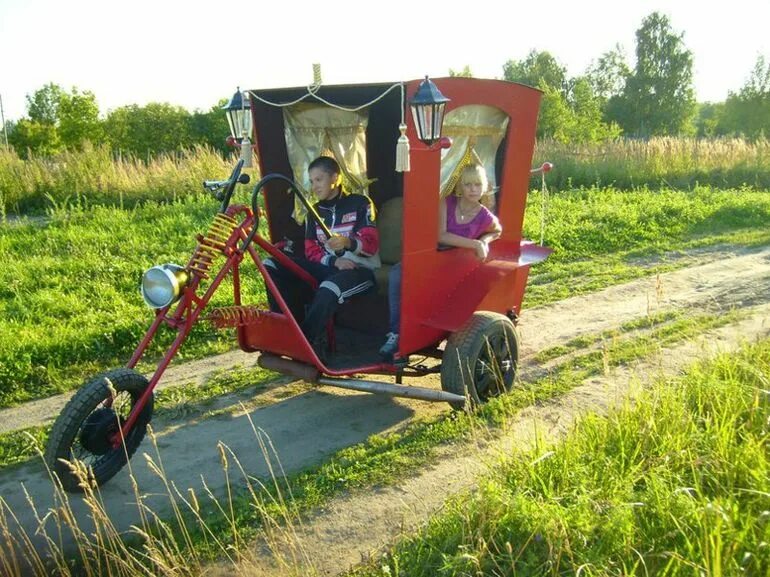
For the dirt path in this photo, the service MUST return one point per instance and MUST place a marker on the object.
(310, 426)
(192, 373)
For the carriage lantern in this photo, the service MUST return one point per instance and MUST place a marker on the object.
(238, 112)
(427, 106)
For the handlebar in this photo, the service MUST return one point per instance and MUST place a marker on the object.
(214, 185)
(223, 189)
(254, 195)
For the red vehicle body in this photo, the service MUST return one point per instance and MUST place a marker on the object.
(447, 295)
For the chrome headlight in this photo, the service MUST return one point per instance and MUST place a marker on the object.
(163, 285)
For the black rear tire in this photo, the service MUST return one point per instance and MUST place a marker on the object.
(83, 429)
(481, 359)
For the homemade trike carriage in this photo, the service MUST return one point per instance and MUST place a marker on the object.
(455, 308)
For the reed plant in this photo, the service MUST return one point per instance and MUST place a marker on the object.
(98, 175)
(176, 536)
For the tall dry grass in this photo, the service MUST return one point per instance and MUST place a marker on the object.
(658, 162)
(98, 176)
(176, 532)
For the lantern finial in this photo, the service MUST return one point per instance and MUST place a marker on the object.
(238, 112)
(427, 106)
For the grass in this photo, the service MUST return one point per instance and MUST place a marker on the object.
(586, 341)
(69, 300)
(70, 308)
(67, 278)
(223, 526)
(69, 305)
(678, 484)
(97, 177)
(659, 163)
(604, 236)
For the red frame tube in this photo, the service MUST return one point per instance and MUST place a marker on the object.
(190, 307)
(186, 313)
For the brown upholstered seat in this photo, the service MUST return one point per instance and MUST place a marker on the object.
(389, 219)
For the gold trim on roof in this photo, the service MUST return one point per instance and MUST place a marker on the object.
(476, 131)
(313, 130)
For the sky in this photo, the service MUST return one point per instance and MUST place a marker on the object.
(193, 53)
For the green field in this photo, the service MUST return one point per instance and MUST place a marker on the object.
(69, 302)
(70, 306)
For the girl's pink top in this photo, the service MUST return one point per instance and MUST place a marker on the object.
(472, 229)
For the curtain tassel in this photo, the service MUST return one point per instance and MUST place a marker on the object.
(402, 150)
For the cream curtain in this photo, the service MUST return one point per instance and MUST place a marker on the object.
(312, 129)
(476, 132)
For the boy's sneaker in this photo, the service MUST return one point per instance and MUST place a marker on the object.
(390, 347)
(321, 347)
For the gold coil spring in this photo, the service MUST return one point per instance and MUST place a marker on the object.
(212, 243)
(235, 316)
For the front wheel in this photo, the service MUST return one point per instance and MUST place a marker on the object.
(85, 428)
(480, 360)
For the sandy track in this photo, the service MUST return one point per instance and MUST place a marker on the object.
(309, 427)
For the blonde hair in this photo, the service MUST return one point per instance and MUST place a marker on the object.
(472, 173)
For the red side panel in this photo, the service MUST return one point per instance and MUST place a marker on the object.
(275, 333)
(496, 285)
(442, 289)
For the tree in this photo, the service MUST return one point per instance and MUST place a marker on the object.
(609, 74)
(39, 134)
(586, 106)
(43, 105)
(758, 84)
(464, 73)
(210, 128)
(569, 110)
(79, 119)
(30, 137)
(538, 69)
(658, 98)
(57, 119)
(748, 112)
(709, 120)
(541, 70)
(151, 129)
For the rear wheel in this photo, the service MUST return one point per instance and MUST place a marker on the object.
(85, 428)
(480, 360)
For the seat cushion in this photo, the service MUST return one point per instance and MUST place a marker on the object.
(389, 219)
(381, 276)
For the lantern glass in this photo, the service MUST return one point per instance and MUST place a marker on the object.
(428, 106)
(238, 112)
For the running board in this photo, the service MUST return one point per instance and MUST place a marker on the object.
(310, 374)
(393, 390)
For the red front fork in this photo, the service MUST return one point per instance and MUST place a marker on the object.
(191, 306)
(185, 315)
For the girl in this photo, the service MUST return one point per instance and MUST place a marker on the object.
(463, 222)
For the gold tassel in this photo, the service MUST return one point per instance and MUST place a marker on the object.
(402, 150)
